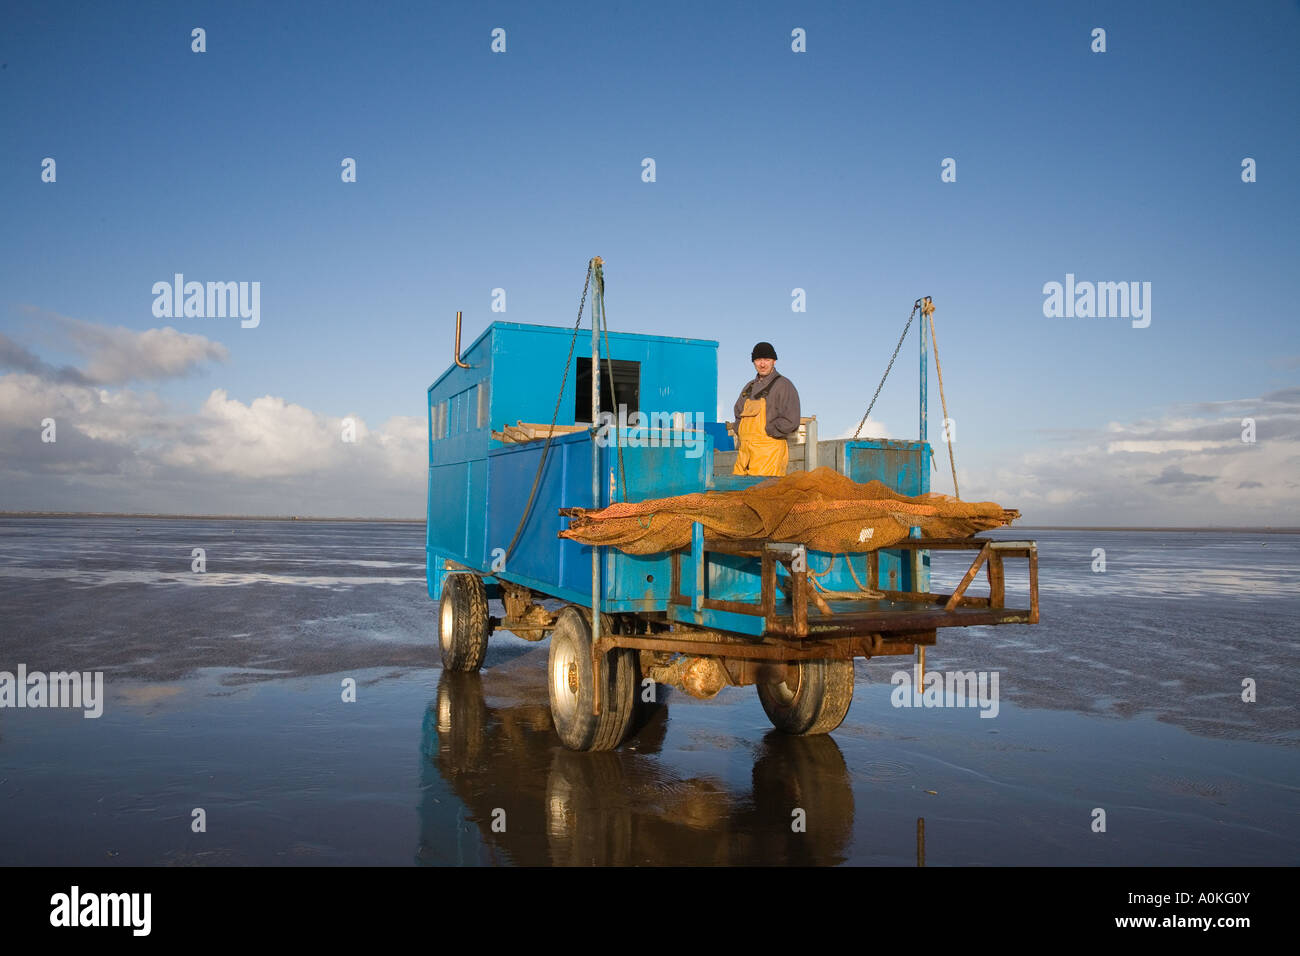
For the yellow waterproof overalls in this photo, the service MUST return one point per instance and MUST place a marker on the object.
(760, 454)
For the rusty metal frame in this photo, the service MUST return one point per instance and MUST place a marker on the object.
(718, 644)
(740, 657)
(769, 554)
(955, 598)
(990, 554)
(801, 639)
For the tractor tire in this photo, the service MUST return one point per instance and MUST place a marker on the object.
(463, 623)
(569, 679)
(818, 701)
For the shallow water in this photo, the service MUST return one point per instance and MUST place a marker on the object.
(225, 693)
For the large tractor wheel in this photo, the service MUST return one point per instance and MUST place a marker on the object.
(813, 699)
(571, 687)
(463, 624)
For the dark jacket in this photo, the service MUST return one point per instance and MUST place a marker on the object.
(782, 403)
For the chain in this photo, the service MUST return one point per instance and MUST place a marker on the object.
(915, 305)
(555, 416)
(598, 311)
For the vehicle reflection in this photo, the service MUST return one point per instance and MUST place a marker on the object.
(489, 740)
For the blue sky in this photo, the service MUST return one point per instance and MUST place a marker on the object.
(775, 170)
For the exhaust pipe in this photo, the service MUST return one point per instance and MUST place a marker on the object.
(456, 353)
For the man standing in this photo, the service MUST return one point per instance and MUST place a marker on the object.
(767, 413)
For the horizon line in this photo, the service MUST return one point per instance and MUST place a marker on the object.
(1257, 529)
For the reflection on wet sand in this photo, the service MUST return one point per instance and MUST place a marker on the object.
(535, 803)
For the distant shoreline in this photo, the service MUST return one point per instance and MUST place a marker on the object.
(170, 517)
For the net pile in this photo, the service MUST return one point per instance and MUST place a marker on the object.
(821, 509)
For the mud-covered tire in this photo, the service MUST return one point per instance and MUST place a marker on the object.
(818, 702)
(569, 681)
(463, 623)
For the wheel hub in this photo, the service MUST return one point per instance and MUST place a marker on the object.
(446, 622)
(566, 680)
(787, 690)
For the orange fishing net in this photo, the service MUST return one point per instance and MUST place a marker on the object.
(821, 509)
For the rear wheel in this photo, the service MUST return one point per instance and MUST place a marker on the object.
(572, 689)
(463, 623)
(813, 699)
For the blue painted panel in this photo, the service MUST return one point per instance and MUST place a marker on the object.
(657, 463)
(457, 489)
(721, 620)
(565, 482)
(677, 374)
(448, 511)
(661, 462)
(903, 466)
(435, 568)
(722, 439)
(733, 578)
(477, 552)
(575, 491)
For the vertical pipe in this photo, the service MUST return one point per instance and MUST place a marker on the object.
(697, 565)
(596, 303)
(457, 348)
(924, 366)
(914, 556)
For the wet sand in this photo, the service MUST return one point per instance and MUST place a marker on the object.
(225, 692)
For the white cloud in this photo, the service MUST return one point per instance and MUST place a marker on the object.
(116, 355)
(272, 438)
(1154, 477)
(267, 438)
(872, 428)
(122, 450)
(1161, 446)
